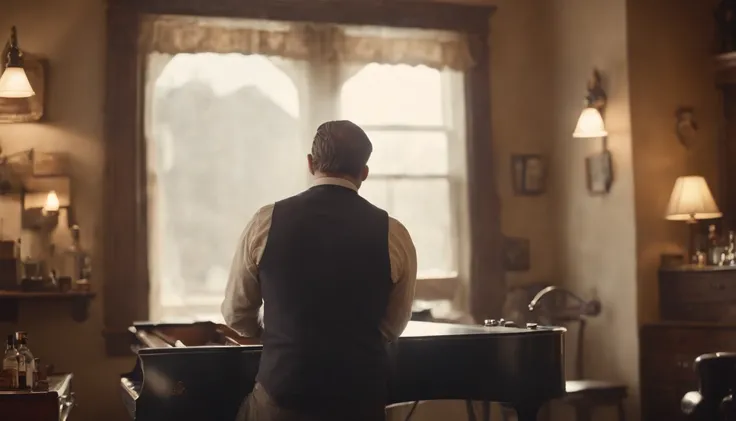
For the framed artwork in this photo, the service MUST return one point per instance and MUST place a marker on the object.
(528, 174)
(24, 110)
(599, 173)
(516, 254)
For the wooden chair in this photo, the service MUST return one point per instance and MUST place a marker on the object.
(584, 395)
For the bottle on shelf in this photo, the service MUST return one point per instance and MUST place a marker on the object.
(26, 362)
(728, 257)
(75, 258)
(714, 247)
(10, 367)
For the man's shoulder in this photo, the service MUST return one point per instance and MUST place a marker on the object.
(395, 227)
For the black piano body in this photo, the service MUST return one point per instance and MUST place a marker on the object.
(203, 371)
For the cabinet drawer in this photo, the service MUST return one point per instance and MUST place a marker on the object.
(698, 286)
(715, 312)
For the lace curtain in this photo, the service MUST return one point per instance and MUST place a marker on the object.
(307, 41)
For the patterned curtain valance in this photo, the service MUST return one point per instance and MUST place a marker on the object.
(307, 41)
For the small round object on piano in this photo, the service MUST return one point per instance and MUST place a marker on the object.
(531, 325)
(509, 323)
(490, 323)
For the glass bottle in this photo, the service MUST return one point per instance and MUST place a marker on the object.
(728, 258)
(10, 364)
(714, 253)
(26, 362)
(75, 258)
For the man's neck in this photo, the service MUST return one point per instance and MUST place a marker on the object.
(340, 180)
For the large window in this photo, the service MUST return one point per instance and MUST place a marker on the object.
(228, 133)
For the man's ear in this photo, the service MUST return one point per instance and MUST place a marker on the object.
(364, 173)
(310, 163)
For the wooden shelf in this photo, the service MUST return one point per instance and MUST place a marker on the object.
(79, 301)
(725, 67)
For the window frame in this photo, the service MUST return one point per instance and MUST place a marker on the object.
(333, 88)
(125, 227)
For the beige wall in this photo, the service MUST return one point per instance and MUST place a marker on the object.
(596, 234)
(521, 100)
(670, 65)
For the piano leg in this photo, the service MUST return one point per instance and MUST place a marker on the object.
(470, 410)
(486, 414)
(527, 411)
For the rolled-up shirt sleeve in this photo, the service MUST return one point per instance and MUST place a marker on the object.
(243, 299)
(403, 258)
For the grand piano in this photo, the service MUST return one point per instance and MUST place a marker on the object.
(202, 371)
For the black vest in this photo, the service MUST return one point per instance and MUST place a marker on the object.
(325, 277)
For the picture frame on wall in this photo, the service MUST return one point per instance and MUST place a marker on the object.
(599, 173)
(528, 174)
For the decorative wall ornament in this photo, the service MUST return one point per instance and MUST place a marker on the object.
(687, 127)
(599, 173)
(528, 174)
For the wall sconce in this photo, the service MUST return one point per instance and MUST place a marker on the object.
(52, 204)
(14, 82)
(590, 124)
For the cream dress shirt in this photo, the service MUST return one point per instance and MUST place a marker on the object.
(243, 304)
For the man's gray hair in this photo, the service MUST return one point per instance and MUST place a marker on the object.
(340, 148)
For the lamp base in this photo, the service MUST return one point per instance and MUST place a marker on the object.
(692, 225)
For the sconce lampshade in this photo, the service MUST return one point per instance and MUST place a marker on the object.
(52, 202)
(691, 200)
(590, 125)
(14, 83)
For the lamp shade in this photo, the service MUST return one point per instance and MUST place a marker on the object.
(691, 200)
(52, 202)
(590, 124)
(14, 83)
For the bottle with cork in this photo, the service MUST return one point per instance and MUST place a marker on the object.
(9, 373)
(26, 362)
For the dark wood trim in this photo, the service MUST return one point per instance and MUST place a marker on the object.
(408, 14)
(487, 277)
(125, 241)
(125, 249)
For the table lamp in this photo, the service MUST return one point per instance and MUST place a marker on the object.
(692, 201)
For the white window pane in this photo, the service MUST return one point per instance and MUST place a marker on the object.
(386, 94)
(423, 206)
(219, 121)
(408, 152)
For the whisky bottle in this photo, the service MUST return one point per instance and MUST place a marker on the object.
(10, 365)
(26, 362)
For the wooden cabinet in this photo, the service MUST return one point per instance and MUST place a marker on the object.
(54, 405)
(698, 313)
(694, 294)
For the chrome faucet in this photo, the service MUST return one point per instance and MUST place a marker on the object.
(586, 308)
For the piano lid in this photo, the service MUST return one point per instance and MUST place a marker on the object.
(430, 329)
